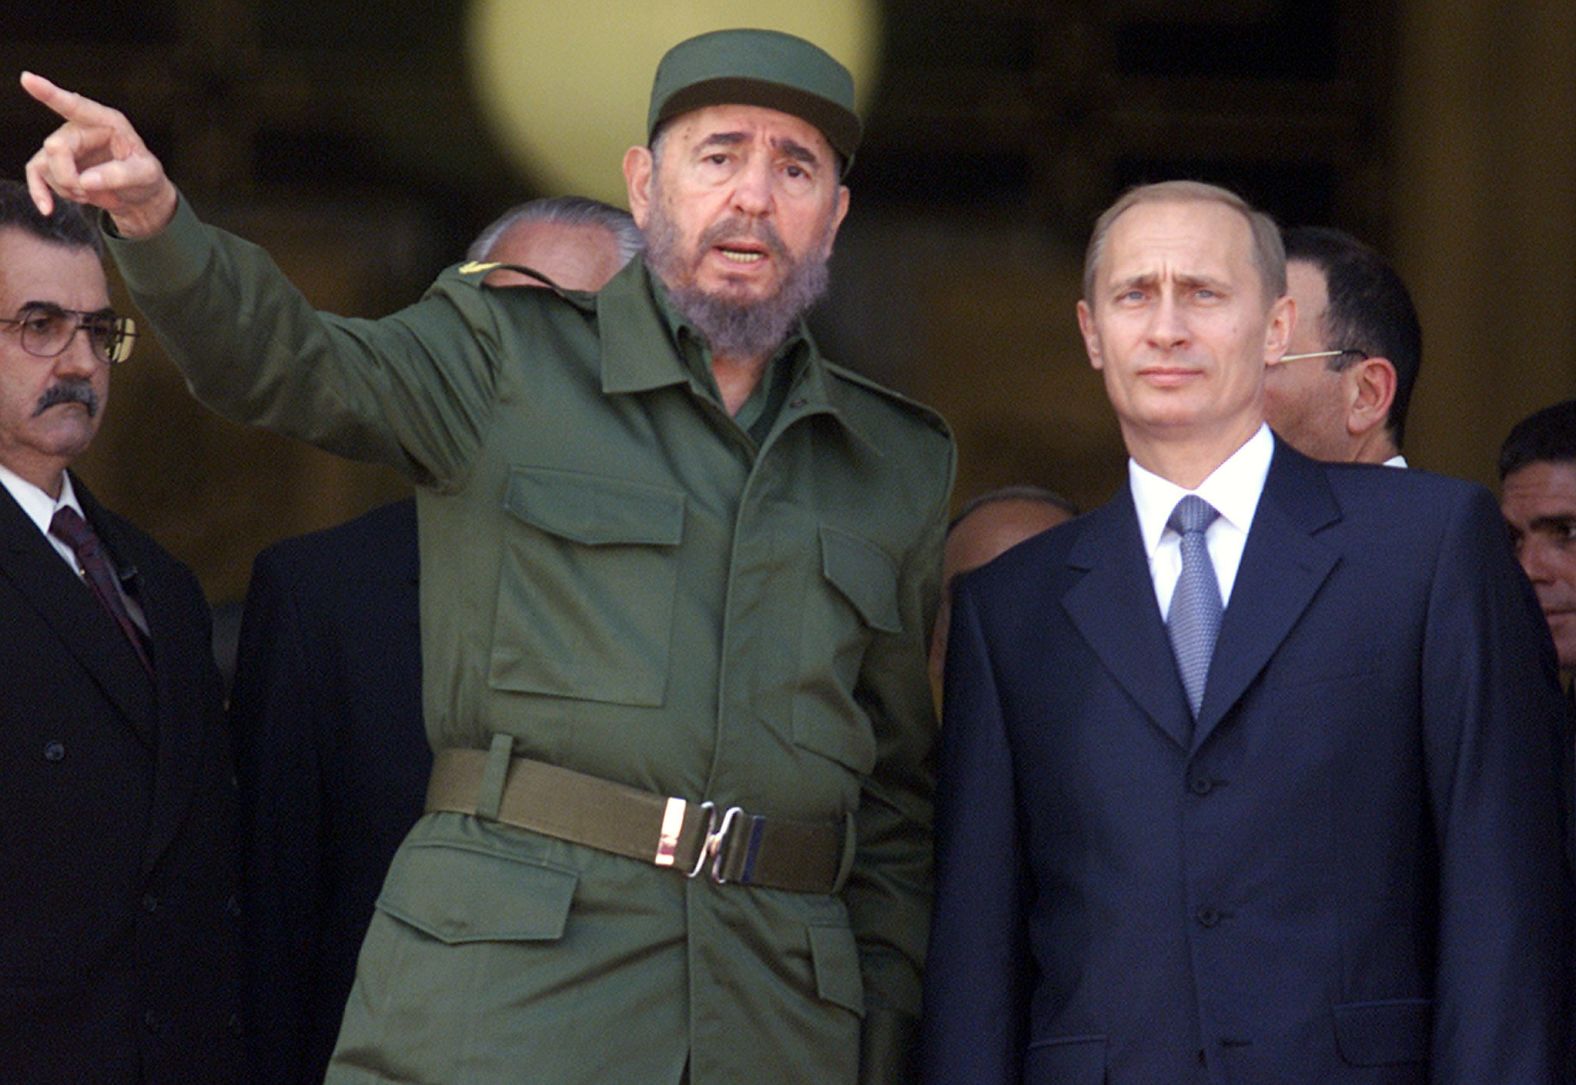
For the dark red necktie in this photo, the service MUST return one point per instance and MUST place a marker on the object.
(74, 531)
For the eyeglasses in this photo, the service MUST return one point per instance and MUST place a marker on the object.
(1361, 355)
(47, 330)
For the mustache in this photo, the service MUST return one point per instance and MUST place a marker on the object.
(68, 391)
(738, 229)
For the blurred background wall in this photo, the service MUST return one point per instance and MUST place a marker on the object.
(364, 144)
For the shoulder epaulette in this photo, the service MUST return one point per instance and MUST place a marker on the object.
(478, 270)
(929, 415)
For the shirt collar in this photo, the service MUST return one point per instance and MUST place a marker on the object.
(38, 505)
(1233, 488)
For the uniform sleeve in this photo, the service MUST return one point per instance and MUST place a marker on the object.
(1493, 722)
(412, 390)
(889, 888)
(274, 715)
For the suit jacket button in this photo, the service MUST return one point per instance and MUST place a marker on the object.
(54, 751)
(233, 906)
(151, 1021)
(1201, 785)
(1207, 917)
(150, 903)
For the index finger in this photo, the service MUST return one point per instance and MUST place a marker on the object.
(68, 103)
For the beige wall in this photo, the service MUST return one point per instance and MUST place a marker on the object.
(1483, 206)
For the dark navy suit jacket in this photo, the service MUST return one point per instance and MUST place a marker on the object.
(333, 770)
(119, 918)
(1350, 870)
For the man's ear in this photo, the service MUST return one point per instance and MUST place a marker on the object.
(1091, 335)
(1283, 318)
(838, 215)
(637, 179)
(1370, 391)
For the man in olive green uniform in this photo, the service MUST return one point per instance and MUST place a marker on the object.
(678, 571)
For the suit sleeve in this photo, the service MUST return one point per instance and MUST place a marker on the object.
(274, 713)
(1493, 725)
(412, 390)
(979, 952)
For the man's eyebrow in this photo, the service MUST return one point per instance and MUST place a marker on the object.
(1144, 279)
(797, 151)
(722, 139)
(1557, 522)
(1195, 281)
(1148, 279)
(56, 307)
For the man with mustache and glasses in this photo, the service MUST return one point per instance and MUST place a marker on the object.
(678, 571)
(118, 908)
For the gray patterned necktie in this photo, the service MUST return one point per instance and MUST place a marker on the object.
(1194, 620)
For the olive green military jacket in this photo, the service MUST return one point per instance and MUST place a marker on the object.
(614, 574)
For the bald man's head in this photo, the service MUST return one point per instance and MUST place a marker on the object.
(574, 257)
(986, 528)
(577, 242)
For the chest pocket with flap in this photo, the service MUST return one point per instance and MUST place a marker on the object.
(586, 587)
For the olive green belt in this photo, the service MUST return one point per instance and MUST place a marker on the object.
(727, 845)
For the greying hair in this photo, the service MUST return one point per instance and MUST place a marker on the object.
(1269, 256)
(68, 224)
(565, 211)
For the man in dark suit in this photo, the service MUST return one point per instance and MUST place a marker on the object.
(327, 704)
(1250, 775)
(118, 907)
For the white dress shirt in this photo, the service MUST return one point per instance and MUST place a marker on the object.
(1233, 489)
(41, 508)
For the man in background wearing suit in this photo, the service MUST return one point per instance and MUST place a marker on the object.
(1341, 391)
(327, 705)
(1250, 775)
(118, 907)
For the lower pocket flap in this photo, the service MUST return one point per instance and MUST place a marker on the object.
(467, 895)
(1066, 1060)
(835, 955)
(1382, 1033)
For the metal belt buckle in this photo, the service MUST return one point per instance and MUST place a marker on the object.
(717, 829)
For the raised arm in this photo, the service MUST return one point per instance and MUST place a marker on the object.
(96, 157)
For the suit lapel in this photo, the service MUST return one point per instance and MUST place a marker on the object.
(1113, 607)
(67, 605)
(178, 715)
(1282, 567)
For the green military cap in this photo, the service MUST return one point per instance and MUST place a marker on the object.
(763, 68)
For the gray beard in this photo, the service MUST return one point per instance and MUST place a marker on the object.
(732, 327)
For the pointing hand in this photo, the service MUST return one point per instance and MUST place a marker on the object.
(96, 157)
